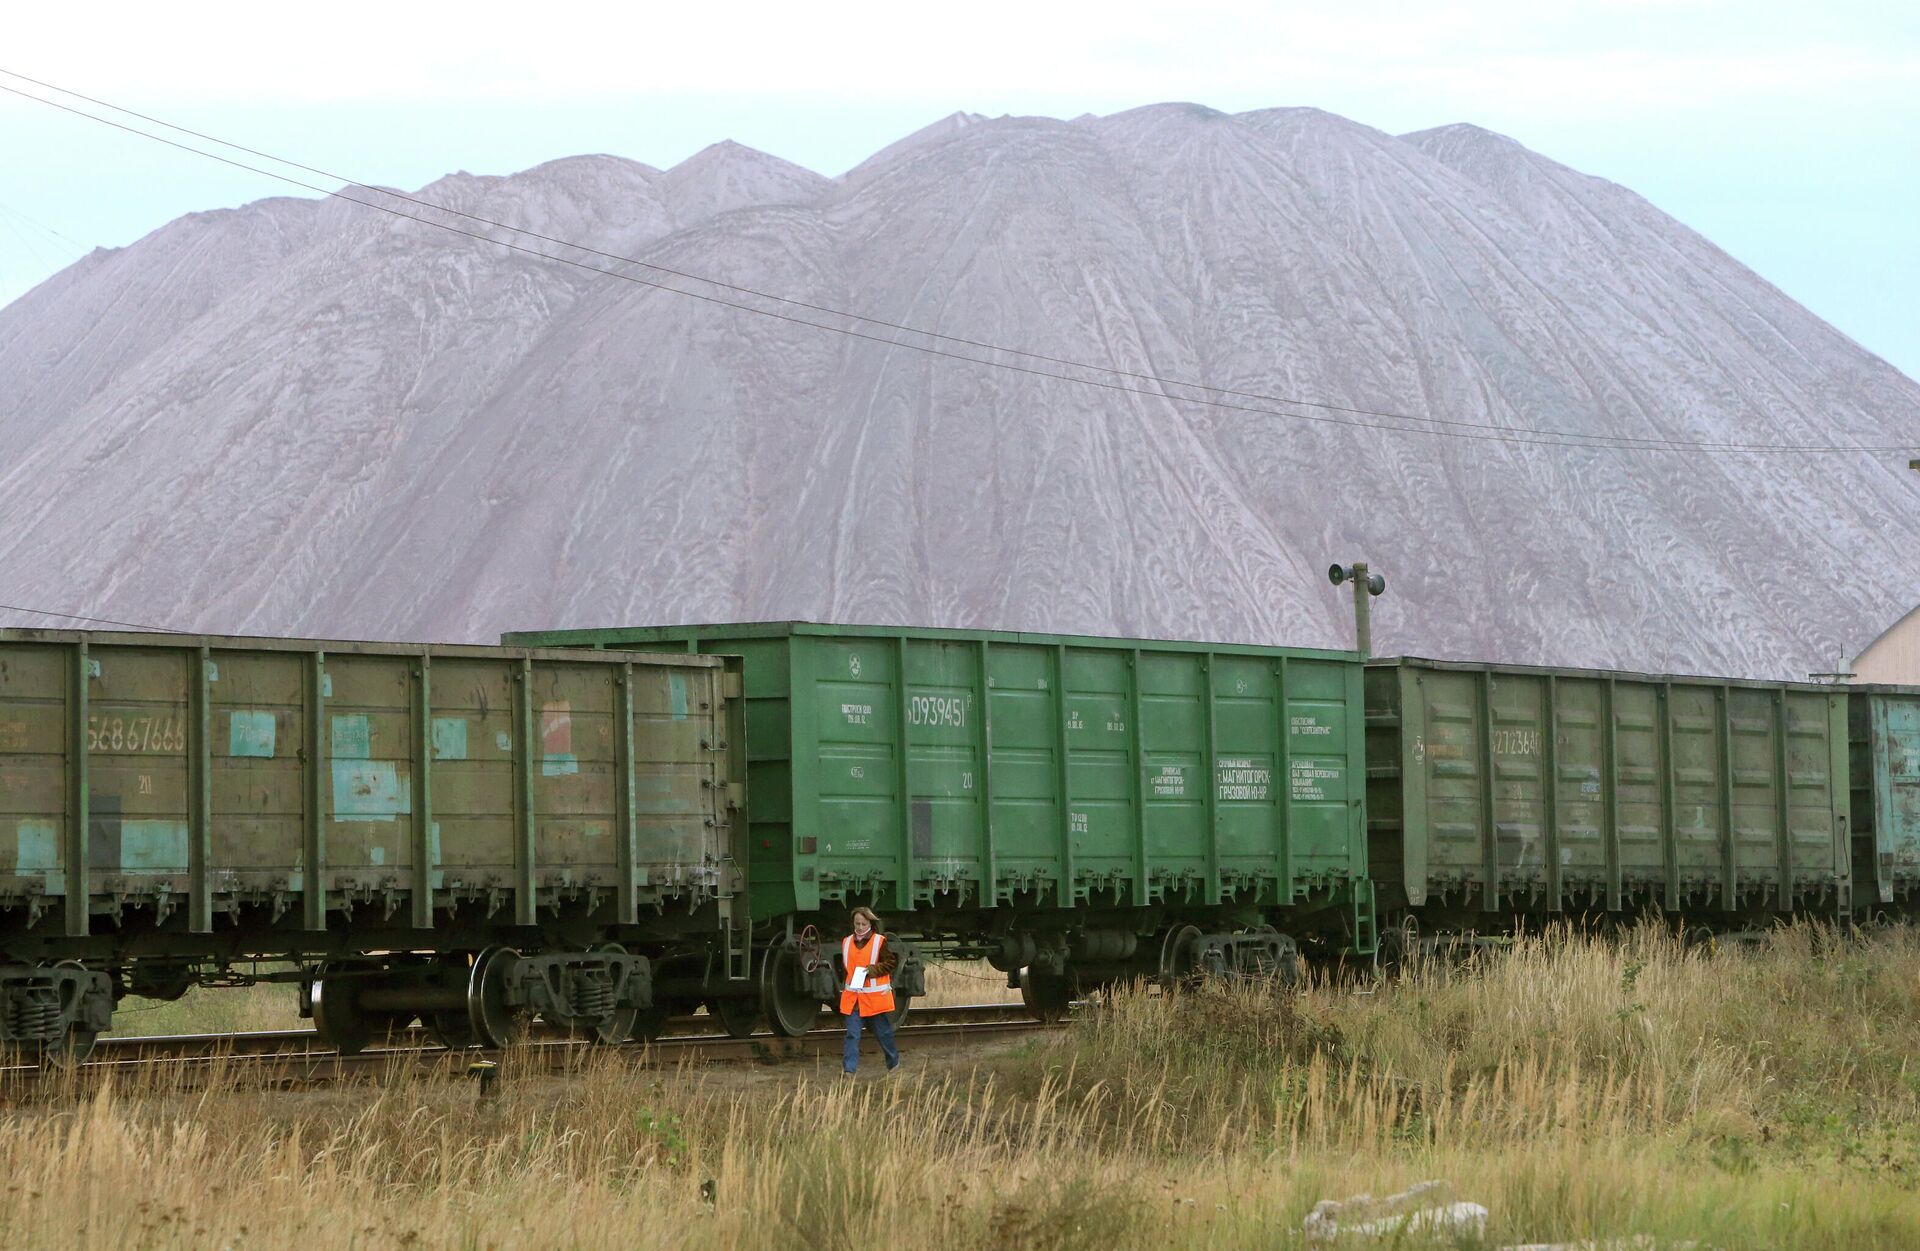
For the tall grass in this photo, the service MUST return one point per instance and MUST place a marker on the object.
(1747, 1099)
(1796, 1040)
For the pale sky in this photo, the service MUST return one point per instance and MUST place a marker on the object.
(1788, 133)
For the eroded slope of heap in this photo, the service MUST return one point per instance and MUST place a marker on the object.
(314, 418)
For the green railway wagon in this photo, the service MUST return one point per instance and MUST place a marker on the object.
(1501, 793)
(525, 828)
(1884, 725)
(1073, 806)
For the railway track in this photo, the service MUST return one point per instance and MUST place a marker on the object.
(296, 1058)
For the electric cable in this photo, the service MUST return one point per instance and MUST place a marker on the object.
(781, 299)
(77, 616)
(1471, 431)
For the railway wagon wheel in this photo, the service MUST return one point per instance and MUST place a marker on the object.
(452, 1030)
(651, 1023)
(71, 1048)
(494, 1023)
(1047, 995)
(1399, 947)
(339, 1019)
(1179, 966)
(738, 1017)
(791, 1009)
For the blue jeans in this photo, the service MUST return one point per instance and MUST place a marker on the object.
(882, 1030)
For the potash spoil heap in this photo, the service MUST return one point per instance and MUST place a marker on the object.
(311, 417)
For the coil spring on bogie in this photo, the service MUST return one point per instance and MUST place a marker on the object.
(593, 995)
(31, 1017)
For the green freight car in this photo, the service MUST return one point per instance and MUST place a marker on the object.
(466, 835)
(1083, 809)
(1884, 728)
(1503, 794)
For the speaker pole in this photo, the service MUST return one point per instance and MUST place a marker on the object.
(1365, 587)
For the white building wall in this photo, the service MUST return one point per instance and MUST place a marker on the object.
(1894, 656)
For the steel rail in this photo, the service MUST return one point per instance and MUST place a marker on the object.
(298, 1057)
(268, 1042)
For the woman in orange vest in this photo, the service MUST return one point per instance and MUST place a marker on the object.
(867, 992)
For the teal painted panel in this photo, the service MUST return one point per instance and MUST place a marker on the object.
(352, 737)
(153, 846)
(449, 738)
(370, 790)
(36, 847)
(1896, 755)
(251, 733)
(657, 795)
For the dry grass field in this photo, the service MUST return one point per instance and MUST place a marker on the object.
(1764, 1098)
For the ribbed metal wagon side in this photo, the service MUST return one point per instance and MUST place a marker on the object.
(172, 803)
(1884, 726)
(1067, 803)
(1530, 792)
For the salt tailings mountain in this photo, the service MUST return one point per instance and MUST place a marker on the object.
(306, 416)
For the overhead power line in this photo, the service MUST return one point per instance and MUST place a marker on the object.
(1330, 414)
(758, 293)
(76, 616)
(8, 211)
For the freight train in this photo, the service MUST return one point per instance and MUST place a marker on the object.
(598, 829)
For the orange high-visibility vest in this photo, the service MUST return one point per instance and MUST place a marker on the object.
(877, 995)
